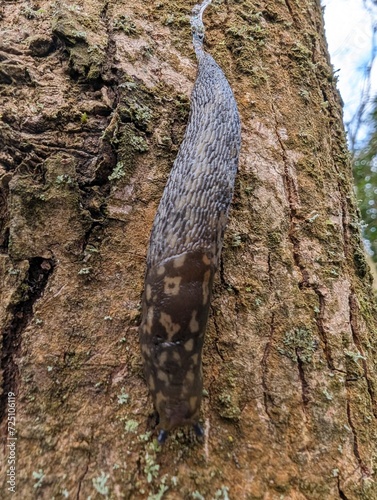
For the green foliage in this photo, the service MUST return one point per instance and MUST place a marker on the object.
(124, 23)
(151, 467)
(245, 38)
(85, 270)
(99, 484)
(64, 179)
(131, 426)
(222, 493)
(38, 476)
(365, 173)
(123, 398)
(139, 144)
(197, 495)
(299, 343)
(84, 118)
(159, 495)
(118, 172)
(229, 408)
(30, 13)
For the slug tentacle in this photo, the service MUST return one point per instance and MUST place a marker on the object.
(185, 244)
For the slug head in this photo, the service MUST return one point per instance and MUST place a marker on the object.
(179, 415)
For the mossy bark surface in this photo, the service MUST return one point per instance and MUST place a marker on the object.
(94, 103)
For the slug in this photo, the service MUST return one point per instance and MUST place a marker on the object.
(185, 245)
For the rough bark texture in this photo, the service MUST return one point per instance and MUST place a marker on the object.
(94, 103)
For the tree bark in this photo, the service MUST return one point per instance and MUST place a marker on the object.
(95, 98)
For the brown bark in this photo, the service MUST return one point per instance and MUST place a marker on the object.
(94, 101)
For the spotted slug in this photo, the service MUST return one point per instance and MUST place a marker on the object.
(185, 245)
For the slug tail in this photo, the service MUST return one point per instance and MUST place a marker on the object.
(197, 26)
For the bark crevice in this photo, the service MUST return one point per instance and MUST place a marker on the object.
(364, 469)
(342, 496)
(290, 10)
(353, 308)
(321, 330)
(304, 384)
(267, 399)
(82, 477)
(293, 203)
(21, 313)
(218, 334)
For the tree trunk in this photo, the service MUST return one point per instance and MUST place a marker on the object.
(95, 98)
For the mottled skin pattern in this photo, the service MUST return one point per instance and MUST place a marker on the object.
(185, 245)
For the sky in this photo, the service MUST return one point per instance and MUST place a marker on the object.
(349, 35)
